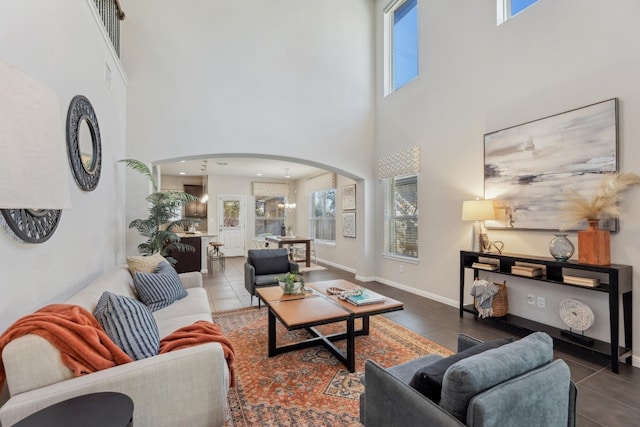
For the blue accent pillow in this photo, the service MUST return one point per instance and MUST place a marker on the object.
(130, 325)
(159, 289)
(428, 379)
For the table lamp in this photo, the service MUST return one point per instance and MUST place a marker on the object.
(477, 210)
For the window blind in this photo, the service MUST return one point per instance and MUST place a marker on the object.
(273, 189)
(403, 162)
(326, 181)
(401, 216)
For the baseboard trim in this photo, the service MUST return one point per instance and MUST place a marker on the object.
(429, 295)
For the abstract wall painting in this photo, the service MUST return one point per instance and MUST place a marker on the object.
(529, 168)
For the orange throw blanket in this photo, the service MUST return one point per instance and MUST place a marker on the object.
(83, 344)
(199, 333)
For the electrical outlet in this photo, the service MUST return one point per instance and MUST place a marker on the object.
(541, 302)
(531, 299)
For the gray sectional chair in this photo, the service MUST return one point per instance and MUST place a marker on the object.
(262, 267)
(514, 384)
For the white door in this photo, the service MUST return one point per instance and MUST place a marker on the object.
(231, 224)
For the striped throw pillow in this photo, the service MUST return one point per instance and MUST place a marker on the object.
(159, 289)
(130, 325)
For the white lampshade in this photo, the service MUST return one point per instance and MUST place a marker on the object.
(33, 164)
(477, 210)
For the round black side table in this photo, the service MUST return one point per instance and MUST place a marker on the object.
(106, 409)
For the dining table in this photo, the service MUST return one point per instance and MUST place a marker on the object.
(292, 240)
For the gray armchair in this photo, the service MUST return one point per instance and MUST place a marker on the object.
(263, 265)
(513, 384)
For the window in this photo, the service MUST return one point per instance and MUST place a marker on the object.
(269, 214)
(401, 216)
(401, 43)
(510, 8)
(322, 225)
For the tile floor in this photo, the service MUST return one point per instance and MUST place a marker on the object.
(604, 398)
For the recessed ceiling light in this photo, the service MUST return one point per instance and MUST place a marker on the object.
(182, 161)
(182, 173)
(258, 174)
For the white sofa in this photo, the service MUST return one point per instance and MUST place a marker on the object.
(186, 387)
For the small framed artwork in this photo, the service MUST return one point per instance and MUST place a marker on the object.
(349, 224)
(349, 197)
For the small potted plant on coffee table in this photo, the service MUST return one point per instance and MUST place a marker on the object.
(291, 283)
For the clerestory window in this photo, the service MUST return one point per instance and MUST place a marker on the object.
(509, 8)
(401, 44)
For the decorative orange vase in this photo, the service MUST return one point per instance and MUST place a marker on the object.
(594, 245)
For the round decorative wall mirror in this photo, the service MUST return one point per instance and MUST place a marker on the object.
(83, 143)
(32, 225)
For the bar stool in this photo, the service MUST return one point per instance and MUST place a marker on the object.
(215, 254)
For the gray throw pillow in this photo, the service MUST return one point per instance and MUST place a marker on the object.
(130, 325)
(159, 289)
(428, 379)
(475, 374)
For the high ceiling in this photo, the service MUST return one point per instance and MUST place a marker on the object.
(236, 166)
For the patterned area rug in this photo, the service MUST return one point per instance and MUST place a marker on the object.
(307, 387)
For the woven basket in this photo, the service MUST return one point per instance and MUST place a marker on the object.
(500, 303)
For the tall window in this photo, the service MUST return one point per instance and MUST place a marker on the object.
(401, 216)
(510, 8)
(269, 214)
(401, 43)
(322, 225)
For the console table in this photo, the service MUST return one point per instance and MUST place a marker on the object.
(618, 284)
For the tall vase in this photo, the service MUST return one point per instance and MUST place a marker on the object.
(594, 245)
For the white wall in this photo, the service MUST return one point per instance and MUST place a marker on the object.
(62, 45)
(476, 78)
(284, 78)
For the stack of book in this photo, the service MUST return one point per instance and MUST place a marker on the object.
(527, 271)
(484, 266)
(581, 281)
(367, 297)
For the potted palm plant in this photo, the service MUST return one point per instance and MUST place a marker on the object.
(160, 226)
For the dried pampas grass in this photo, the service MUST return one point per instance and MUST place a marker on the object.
(604, 204)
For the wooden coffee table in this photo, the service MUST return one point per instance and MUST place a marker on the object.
(319, 308)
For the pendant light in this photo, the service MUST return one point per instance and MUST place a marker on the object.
(205, 196)
(288, 206)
